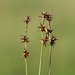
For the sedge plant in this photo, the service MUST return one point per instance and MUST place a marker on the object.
(25, 40)
(46, 38)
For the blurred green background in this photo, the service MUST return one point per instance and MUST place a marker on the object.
(12, 14)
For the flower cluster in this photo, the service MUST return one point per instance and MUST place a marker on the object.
(27, 19)
(44, 40)
(41, 27)
(48, 31)
(52, 40)
(47, 16)
(47, 37)
(25, 39)
(25, 53)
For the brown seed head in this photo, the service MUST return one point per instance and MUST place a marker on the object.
(43, 14)
(24, 38)
(44, 40)
(48, 31)
(41, 27)
(49, 17)
(27, 20)
(25, 53)
(52, 40)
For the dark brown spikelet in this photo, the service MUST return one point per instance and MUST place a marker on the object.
(48, 31)
(52, 41)
(43, 14)
(24, 38)
(25, 53)
(49, 17)
(41, 27)
(27, 19)
(44, 41)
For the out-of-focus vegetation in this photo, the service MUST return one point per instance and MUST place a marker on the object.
(12, 14)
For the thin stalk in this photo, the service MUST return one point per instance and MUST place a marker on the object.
(26, 28)
(50, 55)
(43, 20)
(50, 52)
(25, 45)
(41, 57)
(26, 66)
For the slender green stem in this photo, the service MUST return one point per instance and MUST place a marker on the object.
(26, 28)
(50, 55)
(26, 63)
(25, 45)
(26, 66)
(42, 34)
(49, 25)
(25, 34)
(50, 52)
(41, 56)
(43, 20)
